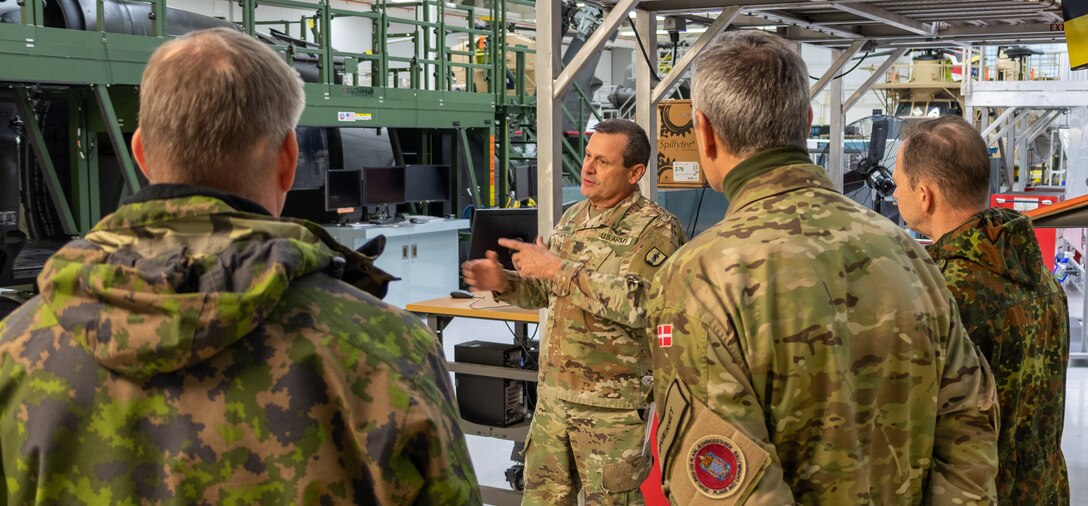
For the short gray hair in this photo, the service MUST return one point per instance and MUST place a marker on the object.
(209, 99)
(753, 87)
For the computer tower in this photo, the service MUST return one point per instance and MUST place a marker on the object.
(497, 402)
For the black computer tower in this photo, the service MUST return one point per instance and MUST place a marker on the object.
(484, 400)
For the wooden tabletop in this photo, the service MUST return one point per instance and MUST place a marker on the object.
(482, 306)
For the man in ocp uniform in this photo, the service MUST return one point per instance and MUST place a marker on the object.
(588, 431)
(807, 348)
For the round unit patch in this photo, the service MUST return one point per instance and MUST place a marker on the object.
(716, 466)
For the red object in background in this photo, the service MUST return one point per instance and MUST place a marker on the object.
(651, 488)
(1026, 201)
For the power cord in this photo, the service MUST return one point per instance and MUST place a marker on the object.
(645, 55)
(863, 57)
(697, 211)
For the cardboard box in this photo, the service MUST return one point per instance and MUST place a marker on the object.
(677, 153)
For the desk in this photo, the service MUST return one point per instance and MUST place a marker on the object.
(439, 313)
(423, 255)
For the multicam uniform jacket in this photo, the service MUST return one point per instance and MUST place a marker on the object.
(807, 351)
(187, 352)
(593, 347)
(1017, 314)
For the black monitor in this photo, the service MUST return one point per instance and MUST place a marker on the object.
(525, 181)
(342, 189)
(426, 183)
(383, 185)
(489, 225)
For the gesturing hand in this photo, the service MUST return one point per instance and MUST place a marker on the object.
(533, 260)
(485, 273)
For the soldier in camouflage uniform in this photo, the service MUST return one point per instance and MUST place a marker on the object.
(1011, 305)
(588, 432)
(194, 349)
(807, 350)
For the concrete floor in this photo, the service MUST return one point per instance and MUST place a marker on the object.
(492, 456)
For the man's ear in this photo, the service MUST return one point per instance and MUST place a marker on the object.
(287, 161)
(138, 153)
(927, 196)
(636, 173)
(707, 139)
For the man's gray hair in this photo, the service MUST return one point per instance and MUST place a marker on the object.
(209, 100)
(753, 87)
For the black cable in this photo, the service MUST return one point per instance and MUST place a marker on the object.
(698, 210)
(645, 55)
(863, 57)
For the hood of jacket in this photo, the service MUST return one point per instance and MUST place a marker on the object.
(163, 284)
(1001, 241)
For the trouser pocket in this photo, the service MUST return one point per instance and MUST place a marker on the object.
(625, 475)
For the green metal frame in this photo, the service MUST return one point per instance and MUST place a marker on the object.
(102, 71)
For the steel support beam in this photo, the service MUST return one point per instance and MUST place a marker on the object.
(836, 66)
(594, 44)
(645, 108)
(470, 165)
(45, 162)
(887, 17)
(113, 129)
(877, 75)
(548, 117)
(834, 32)
(720, 23)
(997, 123)
(837, 126)
(1036, 127)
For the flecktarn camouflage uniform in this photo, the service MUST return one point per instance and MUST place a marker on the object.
(1017, 314)
(589, 430)
(186, 352)
(807, 351)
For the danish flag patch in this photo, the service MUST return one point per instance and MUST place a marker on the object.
(664, 335)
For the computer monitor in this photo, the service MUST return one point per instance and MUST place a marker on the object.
(489, 225)
(426, 183)
(342, 189)
(383, 185)
(525, 181)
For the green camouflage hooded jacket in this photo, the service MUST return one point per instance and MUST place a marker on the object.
(186, 352)
(1017, 314)
(593, 347)
(817, 356)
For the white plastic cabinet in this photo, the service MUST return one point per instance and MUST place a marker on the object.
(423, 255)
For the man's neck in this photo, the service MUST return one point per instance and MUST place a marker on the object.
(600, 206)
(950, 220)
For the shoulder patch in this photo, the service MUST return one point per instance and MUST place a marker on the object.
(655, 257)
(716, 466)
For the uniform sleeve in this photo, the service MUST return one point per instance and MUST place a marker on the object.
(434, 442)
(619, 297)
(525, 293)
(965, 439)
(733, 398)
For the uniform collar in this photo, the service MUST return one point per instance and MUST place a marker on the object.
(776, 180)
(759, 163)
(169, 191)
(611, 217)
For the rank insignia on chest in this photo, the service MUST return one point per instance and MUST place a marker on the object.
(655, 257)
(664, 335)
(716, 466)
